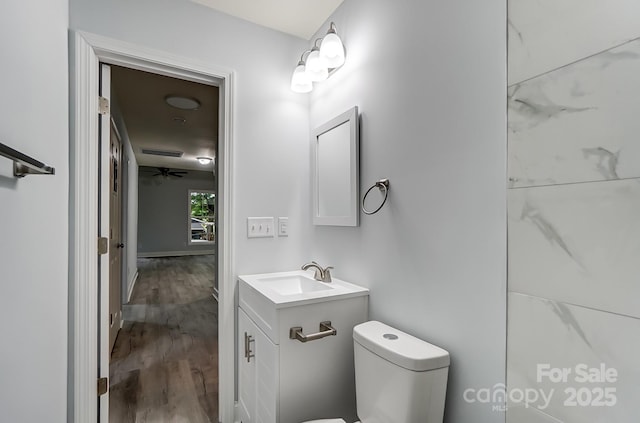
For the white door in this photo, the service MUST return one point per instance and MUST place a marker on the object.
(115, 235)
(104, 261)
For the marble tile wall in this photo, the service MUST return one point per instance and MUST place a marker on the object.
(565, 336)
(548, 34)
(574, 208)
(578, 123)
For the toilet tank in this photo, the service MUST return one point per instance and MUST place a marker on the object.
(399, 378)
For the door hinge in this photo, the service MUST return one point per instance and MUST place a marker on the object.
(103, 106)
(103, 245)
(103, 386)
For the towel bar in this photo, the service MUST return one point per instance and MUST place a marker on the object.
(24, 165)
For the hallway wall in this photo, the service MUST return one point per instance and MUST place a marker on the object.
(34, 212)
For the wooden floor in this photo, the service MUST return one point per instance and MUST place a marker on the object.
(164, 365)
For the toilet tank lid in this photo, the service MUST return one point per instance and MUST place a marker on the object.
(400, 348)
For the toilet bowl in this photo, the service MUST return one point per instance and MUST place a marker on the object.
(399, 378)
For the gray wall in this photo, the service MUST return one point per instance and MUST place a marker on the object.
(34, 212)
(574, 202)
(163, 225)
(429, 79)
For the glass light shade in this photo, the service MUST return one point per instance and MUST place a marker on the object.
(315, 68)
(300, 81)
(332, 51)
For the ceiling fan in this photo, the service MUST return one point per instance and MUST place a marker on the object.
(166, 172)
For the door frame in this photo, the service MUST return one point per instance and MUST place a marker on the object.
(86, 51)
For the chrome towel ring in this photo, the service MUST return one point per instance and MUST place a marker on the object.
(382, 184)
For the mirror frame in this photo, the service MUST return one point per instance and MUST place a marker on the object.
(349, 117)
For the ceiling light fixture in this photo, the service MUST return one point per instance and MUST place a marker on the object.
(205, 160)
(182, 102)
(320, 61)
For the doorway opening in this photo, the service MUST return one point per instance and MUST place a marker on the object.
(87, 362)
(163, 363)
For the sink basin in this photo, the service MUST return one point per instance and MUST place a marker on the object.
(293, 284)
(287, 289)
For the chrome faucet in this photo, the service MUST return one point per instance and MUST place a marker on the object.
(322, 275)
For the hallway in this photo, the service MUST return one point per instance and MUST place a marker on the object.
(164, 365)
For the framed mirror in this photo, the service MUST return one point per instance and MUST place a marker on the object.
(335, 150)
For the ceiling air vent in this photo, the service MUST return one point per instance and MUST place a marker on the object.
(164, 153)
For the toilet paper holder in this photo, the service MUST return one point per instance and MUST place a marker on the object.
(325, 330)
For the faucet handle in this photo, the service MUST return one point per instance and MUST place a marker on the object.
(327, 274)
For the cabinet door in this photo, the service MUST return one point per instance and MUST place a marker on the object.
(257, 373)
(267, 378)
(246, 369)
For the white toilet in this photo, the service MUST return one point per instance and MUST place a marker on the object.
(399, 378)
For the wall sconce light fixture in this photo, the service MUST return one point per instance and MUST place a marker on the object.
(320, 61)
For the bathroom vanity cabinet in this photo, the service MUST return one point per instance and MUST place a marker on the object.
(257, 373)
(284, 380)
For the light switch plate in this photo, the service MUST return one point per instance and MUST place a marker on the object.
(260, 227)
(283, 226)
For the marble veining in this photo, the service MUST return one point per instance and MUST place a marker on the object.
(534, 107)
(607, 162)
(577, 123)
(566, 316)
(610, 57)
(545, 227)
(514, 30)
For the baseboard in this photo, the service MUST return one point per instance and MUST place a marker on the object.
(176, 253)
(132, 283)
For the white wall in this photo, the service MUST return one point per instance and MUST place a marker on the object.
(163, 225)
(270, 122)
(574, 202)
(34, 212)
(429, 79)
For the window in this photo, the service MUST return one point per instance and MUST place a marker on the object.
(202, 217)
